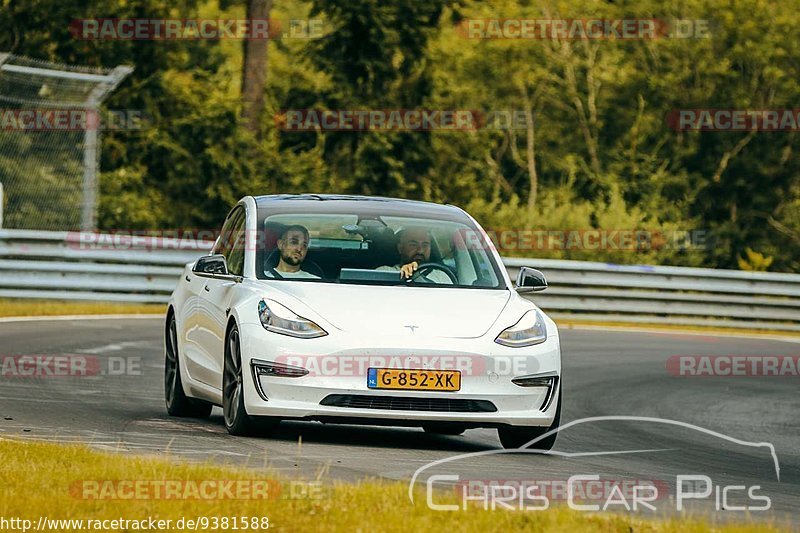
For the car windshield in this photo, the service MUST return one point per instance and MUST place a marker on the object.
(370, 248)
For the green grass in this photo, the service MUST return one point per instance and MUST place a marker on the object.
(23, 307)
(40, 479)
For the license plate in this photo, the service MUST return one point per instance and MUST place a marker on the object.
(396, 378)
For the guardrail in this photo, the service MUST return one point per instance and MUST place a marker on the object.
(603, 292)
(81, 266)
(72, 265)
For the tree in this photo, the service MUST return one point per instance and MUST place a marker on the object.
(254, 67)
(375, 57)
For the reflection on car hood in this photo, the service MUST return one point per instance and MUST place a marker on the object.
(438, 312)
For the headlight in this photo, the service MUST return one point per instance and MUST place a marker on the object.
(528, 331)
(278, 319)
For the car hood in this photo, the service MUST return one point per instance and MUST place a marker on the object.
(436, 312)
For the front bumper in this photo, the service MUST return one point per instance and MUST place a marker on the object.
(338, 363)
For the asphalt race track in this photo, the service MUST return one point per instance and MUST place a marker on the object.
(607, 373)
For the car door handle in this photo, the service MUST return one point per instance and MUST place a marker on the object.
(207, 289)
(188, 278)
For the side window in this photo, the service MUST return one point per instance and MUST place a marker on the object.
(222, 245)
(235, 257)
(486, 275)
(442, 238)
(233, 225)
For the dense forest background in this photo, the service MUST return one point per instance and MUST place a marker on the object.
(599, 154)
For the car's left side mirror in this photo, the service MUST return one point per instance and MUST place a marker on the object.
(210, 265)
(530, 280)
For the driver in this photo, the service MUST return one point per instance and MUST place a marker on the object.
(293, 247)
(414, 246)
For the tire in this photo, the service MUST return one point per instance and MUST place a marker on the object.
(237, 421)
(512, 437)
(444, 429)
(178, 404)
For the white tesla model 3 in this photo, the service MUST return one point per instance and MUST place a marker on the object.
(301, 312)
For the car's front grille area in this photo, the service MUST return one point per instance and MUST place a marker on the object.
(399, 403)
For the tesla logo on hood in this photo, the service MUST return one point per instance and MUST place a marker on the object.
(412, 328)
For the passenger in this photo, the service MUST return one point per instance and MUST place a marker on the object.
(293, 247)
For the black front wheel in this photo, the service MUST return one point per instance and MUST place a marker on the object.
(178, 404)
(237, 421)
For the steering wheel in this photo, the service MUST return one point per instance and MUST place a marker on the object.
(429, 267)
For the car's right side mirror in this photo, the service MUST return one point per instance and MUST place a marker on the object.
(530, 280)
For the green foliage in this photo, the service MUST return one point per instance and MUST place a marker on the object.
(604, 155)
(564, 226)
(754, 262)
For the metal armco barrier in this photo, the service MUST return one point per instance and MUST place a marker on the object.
(603, 292)
(80, 266)
(71, 265)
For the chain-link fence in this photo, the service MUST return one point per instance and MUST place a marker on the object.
(49, 142)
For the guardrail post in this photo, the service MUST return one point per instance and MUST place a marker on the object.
(2, 199)
(90, 160)
(91, 146)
